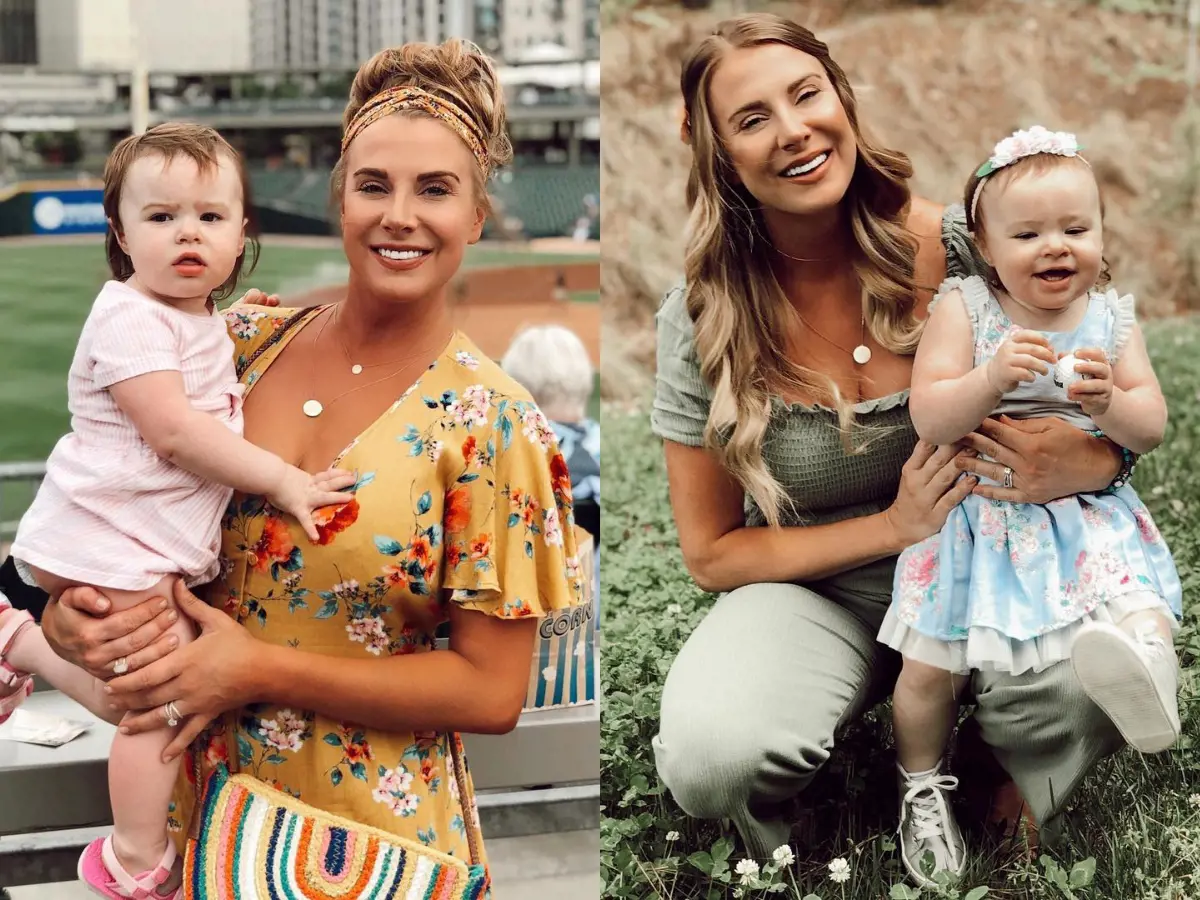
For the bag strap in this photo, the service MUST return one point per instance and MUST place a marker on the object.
(244, 367)
(469, 815)
(199, 790)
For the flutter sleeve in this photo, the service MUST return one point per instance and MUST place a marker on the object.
(508, 520)
(681, 400)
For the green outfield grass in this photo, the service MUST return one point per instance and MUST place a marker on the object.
(46, 291)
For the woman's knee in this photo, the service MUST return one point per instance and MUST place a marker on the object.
(715, 772)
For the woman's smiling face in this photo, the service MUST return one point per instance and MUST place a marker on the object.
(784, 127)
(409, 206)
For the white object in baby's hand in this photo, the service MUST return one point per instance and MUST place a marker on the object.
(1064, 371)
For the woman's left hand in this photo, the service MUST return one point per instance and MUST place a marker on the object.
(204, 678)
(1049, 458)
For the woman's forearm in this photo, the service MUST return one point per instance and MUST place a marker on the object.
(431, 691)
(803, 553)
(1090, 471)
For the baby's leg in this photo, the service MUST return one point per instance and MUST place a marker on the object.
(139, 782)
(31, 653)
(924, 709)
(925, 703)
(1131, 672)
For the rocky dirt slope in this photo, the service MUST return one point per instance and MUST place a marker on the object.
(941, 82)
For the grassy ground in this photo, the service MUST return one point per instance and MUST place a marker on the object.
(1134, 829)
(46, 291)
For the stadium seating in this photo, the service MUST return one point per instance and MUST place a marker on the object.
(547, 199)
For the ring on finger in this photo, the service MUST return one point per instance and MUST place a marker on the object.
(120, 666)
(172, 714)
(1008, 476)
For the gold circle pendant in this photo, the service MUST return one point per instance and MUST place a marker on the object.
(862, 354)
(313, 408)
(356, 369)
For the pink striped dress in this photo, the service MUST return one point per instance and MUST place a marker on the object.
(111, 512)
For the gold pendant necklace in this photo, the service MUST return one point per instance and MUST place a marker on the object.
(860, 354)
(313, 407)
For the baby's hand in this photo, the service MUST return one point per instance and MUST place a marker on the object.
(1022, 357)
(255, 297)
(1094, 392)
(299, 493)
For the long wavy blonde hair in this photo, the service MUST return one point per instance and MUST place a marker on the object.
(735, 302)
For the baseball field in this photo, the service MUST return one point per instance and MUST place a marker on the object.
(46, 289)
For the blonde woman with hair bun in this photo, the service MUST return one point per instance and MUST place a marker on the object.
(315, 670)
(796, 477)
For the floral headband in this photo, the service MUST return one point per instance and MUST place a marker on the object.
(407, 97)
(1020, 144)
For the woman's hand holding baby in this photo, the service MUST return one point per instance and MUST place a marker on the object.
(211, 675)
(1022, 357)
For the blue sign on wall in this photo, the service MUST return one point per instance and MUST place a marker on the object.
(68, 212)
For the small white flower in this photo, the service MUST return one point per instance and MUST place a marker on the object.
(672, 835)
(1194, 801)
(783, 855)
(747, 868)
(548, 673)
(839, 871)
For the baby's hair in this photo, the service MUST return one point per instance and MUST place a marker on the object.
(1037, 164)
(169, 140)
(455, 70)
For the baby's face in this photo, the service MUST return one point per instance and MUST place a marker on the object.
(1042, 234)
(183, 228)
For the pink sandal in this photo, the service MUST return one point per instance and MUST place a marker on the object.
(14, 686)
(104, 875)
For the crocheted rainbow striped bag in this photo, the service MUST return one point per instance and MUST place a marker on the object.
(257, 843)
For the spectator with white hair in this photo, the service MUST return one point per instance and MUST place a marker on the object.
(551, 362)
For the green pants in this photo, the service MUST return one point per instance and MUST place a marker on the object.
(754, 701)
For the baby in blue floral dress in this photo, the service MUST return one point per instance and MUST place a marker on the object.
(1019, 587)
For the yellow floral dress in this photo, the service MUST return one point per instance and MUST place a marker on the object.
(462, 497)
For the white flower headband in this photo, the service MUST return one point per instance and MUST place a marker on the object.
(1020, 144)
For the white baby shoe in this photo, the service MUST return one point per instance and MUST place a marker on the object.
(1134, 679)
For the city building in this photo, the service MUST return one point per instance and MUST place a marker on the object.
(18, 32)
(241, 35)
(105, 35)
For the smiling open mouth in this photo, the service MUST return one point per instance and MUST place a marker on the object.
(804, 168)
(1053, 275)
(400, 255)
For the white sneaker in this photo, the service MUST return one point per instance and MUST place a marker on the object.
(1135, 680)
(927, 825)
